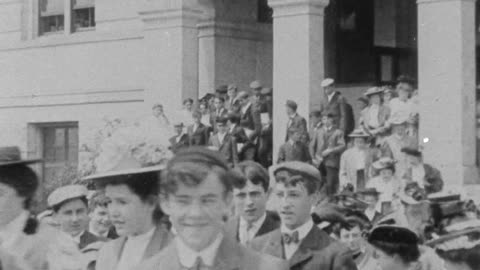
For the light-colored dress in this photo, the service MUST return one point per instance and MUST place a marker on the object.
(388, 189)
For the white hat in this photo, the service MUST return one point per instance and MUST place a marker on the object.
(255, 85)
(65, 193)
(327, 82)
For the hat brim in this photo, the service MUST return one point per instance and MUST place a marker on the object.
(108, 175)
(18, 162)
(373, 93)
(358, 136)
(451, 236)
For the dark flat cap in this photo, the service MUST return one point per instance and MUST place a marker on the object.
(222, 89)
(198, 154)
(291, 104)
(412, 151)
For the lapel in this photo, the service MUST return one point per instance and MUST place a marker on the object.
(232, 227)
(314, 241)
(168, 258)
(225, 139)
(117, 250)
(216, 141)
(268, 225)
(229, 255)
(274, 245)
(161, 237)
(334, 98)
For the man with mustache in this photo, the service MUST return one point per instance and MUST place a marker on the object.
(298, 240)
(196, 193)
(70, 207)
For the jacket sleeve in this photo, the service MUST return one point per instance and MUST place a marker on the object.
(343, 113)
(339, 142)
(234, 151)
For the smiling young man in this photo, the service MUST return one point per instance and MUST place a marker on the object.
(197, 191)
(100, 224)
(70, 207)
(298, 240)
(250, 195)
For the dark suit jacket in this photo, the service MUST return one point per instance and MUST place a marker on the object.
(338, 109)
(272, 222)
(296, 152)
(248, 149)
(87, 238)
(228, 147)
(175, 147)
(297, 122)
(251, 120)
(316, 251)
(110, 254)
(230, 256)
(432, 181)
(332, 139)
(200, 136)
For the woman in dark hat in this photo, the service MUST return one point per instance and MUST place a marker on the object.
(135, 212)
(395, 248)
(37, 244)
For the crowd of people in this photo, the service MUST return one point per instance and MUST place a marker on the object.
(346, 196)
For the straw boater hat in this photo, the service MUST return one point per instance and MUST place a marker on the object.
(358, 133)
(373, 91)
(125, 166)
(65, 193)
(255, 85)
(10, 155)
(327, 82)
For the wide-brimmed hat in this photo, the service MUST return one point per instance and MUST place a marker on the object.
(255, 85)
(373, 91)
(127, 165)
(327, 82)
(383, 163)
(393, 234)
(10, 155)
(369, 191)
(412, 151)
(358, 133)
(457, 236)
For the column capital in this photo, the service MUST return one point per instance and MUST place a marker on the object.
(283, 8)
(157, 14)
(419, 2)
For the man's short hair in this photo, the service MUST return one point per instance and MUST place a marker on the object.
(253, 172)
(191, 166)
(98, 199)
(21, 178)
(292, 105)
(187, 100)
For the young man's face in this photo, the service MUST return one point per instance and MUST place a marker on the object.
(328, 90)
(352, 238)
(371, 200)
(222, 128)
(73, 217)
(218, 104)
(360, 143)
(232, 93)
(129, 214)
(294, 204)
(203, 108)
(178, 130)
(99, 219)
(11, 205)
(197, 212)
(290, 111)
(250, 201)
(403, 89)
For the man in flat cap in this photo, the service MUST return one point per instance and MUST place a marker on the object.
(294, 149)
(180, 139)
(294, 119)
(224, 142)
(70, 207)
(37, 244)
(197, 193)
(334, 103)
(427, 177)
(298, 240)
(222, 91)
(326, 147)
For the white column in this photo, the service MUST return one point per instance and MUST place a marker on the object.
(298, 59)
(446, 61)
(67, 23)
(171, 52)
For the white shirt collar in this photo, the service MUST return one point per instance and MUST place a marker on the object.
(245, 108)
(12, 230)
(221, 136)
(331, 96)
(255, 226)
(232, 127)
(303, 230)
(92, 231)
(76, 238)
(293, 116)
(370, 213)
(188, 256)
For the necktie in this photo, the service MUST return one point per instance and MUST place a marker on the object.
(198, 264)
(290, 238)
